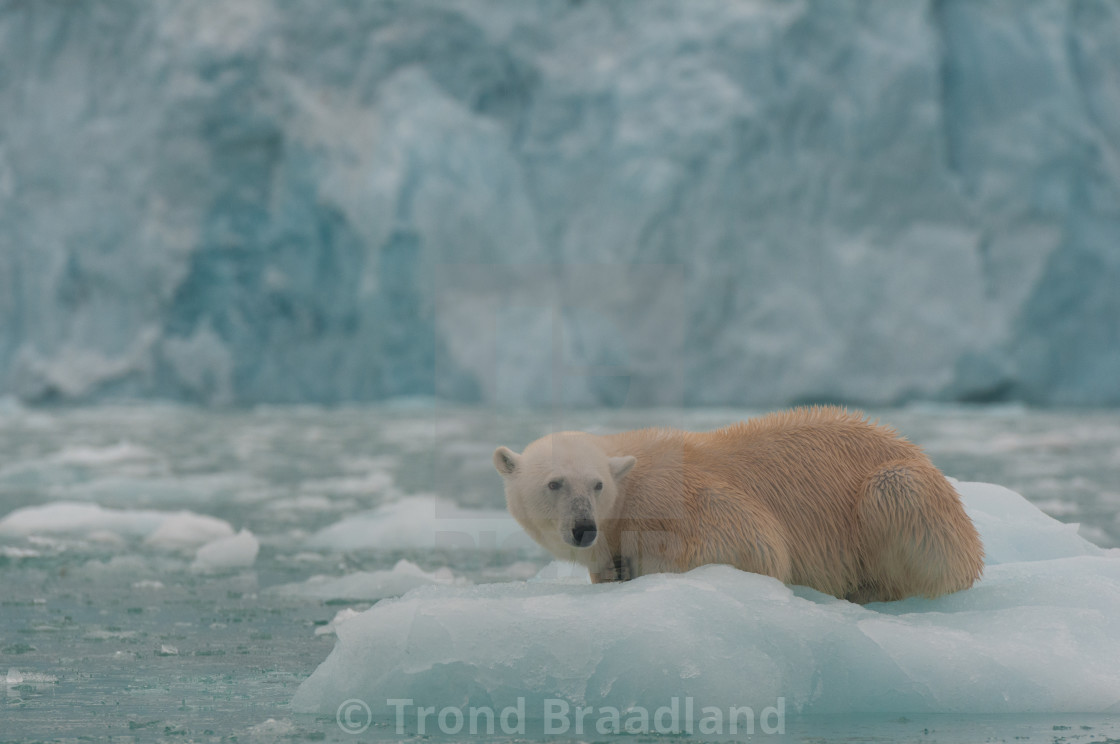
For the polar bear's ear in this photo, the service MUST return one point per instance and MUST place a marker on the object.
(620, 466)
(505, 460)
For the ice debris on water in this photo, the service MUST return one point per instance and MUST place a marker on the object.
(423, 521)
(370, 585)
(164, 529)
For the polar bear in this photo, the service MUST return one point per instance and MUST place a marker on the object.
(820, 497)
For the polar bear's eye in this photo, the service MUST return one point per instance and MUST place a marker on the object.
(598, 485)
(554, 485)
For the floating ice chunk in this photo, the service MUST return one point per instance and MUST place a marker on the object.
(158, 489)
(101, 634)
(727, 638)
(238, 551)
(424, 522)
(68, 469)
(120, 452)
(76, 518)
(147, 584)
(164, 529)
(105, 537)
(16, 677)
(1014, 529)
(1037, 634)
(271, 730)
(370, 585)
(304, 557)
(14, 553)
(187, 530)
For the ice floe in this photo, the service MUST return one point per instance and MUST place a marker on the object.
(1037, 634)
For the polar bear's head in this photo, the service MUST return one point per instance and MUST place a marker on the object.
(561, 488)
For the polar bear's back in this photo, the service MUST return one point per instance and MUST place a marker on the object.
(784, 458)
(799, 474)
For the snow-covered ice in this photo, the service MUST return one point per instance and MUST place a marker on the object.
(1037, 634)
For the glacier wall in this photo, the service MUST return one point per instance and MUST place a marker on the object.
(561, 202)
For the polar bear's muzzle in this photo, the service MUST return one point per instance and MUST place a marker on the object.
(583, 533)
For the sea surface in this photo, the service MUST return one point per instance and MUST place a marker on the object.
(108, 635)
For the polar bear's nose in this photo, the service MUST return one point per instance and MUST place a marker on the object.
(584, 533)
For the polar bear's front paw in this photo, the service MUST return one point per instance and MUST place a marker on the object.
(622, 571)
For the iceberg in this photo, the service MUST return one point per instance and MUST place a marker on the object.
(1036, 635)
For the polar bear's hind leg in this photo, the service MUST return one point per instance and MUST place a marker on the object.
(914, 536)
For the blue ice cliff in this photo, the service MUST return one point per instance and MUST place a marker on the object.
(594, 203)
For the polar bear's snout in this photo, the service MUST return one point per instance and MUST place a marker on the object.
(578, 527)
(583, 533)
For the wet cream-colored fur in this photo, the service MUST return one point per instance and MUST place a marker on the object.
(819, 497)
